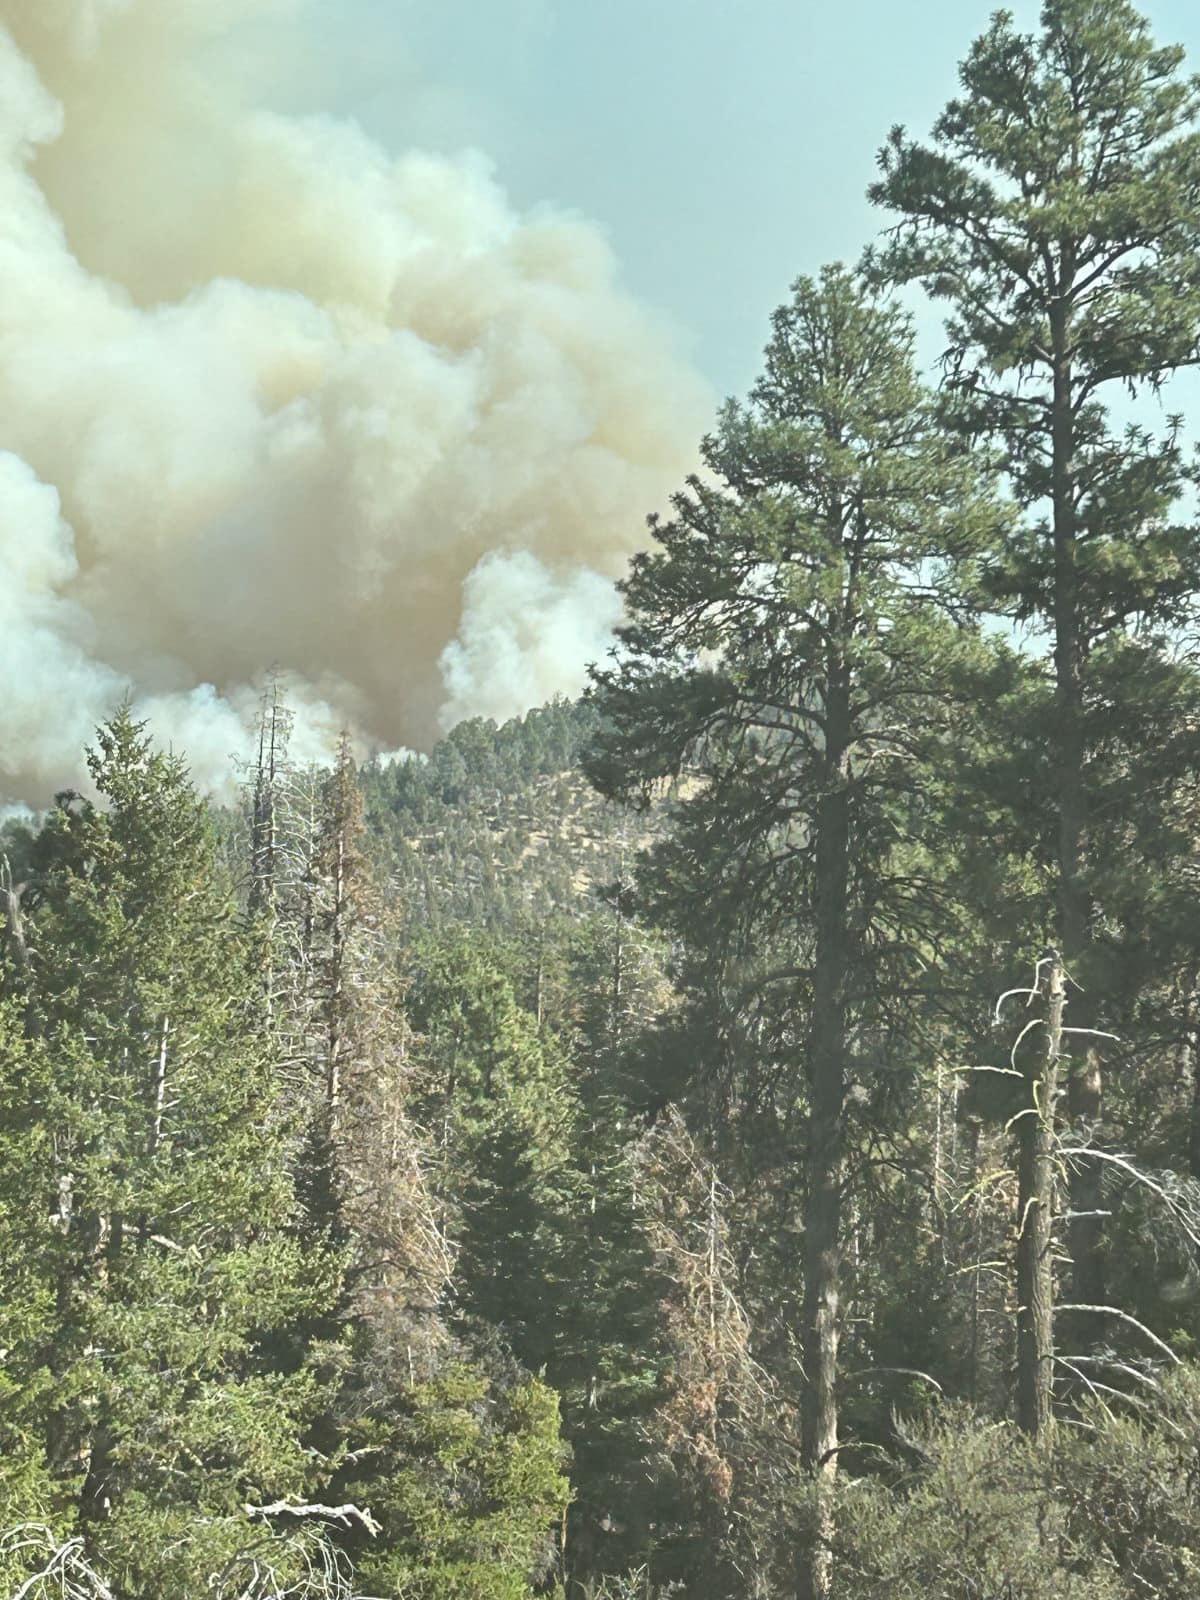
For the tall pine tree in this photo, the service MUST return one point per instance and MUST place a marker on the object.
(787, 650)
(170, 1271)
(1056, 212)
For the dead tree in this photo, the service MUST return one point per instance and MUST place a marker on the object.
(1035, 1125)
(11, 896)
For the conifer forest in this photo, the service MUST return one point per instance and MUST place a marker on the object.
(733, 1134)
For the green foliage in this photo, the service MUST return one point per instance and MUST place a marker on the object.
(1106, 1509)
(817, 573)
(151, 1157)
(495, 829)
(466, 1480)
(1129, 1478)
(27, 1305)
(1056, 215)
(533, 1169)
(980, 1517)
(494, 1089)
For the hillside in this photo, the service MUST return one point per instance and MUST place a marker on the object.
(498, 825)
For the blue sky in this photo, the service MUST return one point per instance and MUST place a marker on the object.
(722, 147)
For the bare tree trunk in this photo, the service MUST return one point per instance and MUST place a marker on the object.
(264, 837)
(940, 1140)
(975, 1127)
(1035, 1219)
(337, 984)
(11, 895)
(160, 1089)
(263, 902)
(539, 976)
(823, 1205)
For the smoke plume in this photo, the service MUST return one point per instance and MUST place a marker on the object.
(271, 396)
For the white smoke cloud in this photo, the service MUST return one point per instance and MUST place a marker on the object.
(526, 635)
(270, 396)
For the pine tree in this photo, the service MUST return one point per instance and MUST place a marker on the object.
(786, 649)
(163, 1188)
(1057, 214)
(493, 1095)
(612, 1360)
(335, 1005)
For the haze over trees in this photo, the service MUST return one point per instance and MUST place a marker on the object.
(734, 1136)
